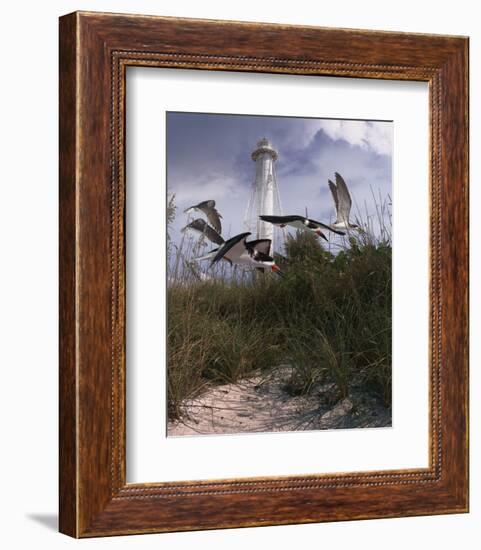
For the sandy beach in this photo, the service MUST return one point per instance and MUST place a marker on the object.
(263, 404)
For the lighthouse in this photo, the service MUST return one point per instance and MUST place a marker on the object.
(264, 197)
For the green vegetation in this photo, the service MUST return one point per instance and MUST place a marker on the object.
(329, 318)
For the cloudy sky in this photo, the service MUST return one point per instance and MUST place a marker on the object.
(209, 157)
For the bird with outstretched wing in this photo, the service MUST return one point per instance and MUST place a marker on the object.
(343, 203)
(248, 254)
(301, 222)
(209, 210)
(201, 226)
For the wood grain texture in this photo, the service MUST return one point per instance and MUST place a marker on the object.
(67, 279)
(95, 51)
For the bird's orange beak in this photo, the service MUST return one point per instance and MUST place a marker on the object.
(277, 270)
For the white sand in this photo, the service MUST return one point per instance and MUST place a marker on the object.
(261, 404)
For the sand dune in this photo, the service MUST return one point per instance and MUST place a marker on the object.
(264, 404)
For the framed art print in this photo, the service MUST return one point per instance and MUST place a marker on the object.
(263, 308)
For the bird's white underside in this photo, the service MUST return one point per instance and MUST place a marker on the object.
(239, 254)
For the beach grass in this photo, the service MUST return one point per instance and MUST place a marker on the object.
(329, 318)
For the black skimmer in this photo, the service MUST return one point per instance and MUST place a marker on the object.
(201, 226)
(250, 254)
(301, 222)
(208, 208)
(343, 202)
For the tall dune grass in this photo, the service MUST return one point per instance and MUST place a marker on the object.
(329, 318)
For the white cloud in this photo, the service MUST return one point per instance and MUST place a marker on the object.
(373, 136)
(301, 135)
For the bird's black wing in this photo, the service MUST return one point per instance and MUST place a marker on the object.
(212, 235)
(202, 227)
(260, 249)
(314, 224)
(208, 207)
(228, 245)
(333, 188)
(197, 225)
(206, 204)
(281, 219)
(260, 245)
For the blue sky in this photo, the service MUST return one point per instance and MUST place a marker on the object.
(209, 157)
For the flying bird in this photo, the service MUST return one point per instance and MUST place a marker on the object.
(250, 254)
(301, 222)
(201, 226)
(208, 208)
(260, 247)
(343, 202)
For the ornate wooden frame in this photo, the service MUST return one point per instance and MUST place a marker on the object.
(95, 50)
